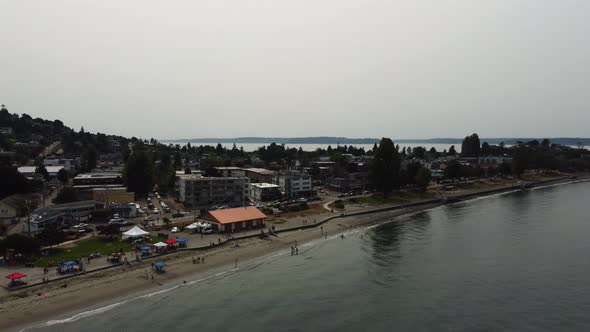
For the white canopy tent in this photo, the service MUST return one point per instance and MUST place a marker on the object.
(160, 245)
(192, 226)
(135, 232)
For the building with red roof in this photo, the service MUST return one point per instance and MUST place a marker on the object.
(236, 219)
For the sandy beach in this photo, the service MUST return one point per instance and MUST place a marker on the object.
(83, 293)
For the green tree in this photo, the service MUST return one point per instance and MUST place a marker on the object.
(21, 244)
(63, 175)
(165, 173)
(12, 182)
(41, 170)
(423, 178)
(88, 158)
(385, 166)
(453, 170)
(51, 236)
(471, 146)
(66, 195)
(139, 172)
(485, 149)
(520, 160)
(452, 150)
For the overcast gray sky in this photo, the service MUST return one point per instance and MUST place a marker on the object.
(356, 68)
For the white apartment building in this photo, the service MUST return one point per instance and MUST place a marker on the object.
(264, 192)
(294, 184)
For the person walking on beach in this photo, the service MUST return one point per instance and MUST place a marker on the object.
(296, 251)
(292, 250)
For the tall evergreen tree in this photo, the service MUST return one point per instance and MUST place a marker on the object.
(139, 172)
(384, 171)
(452, 150)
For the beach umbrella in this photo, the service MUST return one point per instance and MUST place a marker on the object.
(15, 276)
(159, 265)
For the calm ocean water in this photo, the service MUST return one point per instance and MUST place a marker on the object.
(515, 262)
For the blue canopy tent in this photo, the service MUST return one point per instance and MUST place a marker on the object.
(145, 248)
(159, 267)
(182, 242)
(68, 267)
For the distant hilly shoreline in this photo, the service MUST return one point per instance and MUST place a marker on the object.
(345, 140)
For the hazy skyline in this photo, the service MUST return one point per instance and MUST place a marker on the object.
(229, 68)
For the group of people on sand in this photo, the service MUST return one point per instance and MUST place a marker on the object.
(199, 260)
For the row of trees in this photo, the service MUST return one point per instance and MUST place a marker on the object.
(386, 173)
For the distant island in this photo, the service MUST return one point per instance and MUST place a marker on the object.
(346, 140)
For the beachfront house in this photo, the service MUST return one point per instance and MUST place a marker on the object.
(237, 219)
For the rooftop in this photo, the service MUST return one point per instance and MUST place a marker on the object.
(192, 177)
(32, 169)
(264, 185)
(228, 216)
(262, 171)
(104, 175)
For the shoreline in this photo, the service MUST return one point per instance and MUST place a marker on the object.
(122, 285)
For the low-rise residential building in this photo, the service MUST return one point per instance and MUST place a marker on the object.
(69, 213)
(294, 184)
(494, 160)
(108, 195)
(124, 210)
(30, 171)
(69, 165)
(264, 192)
(6, 130)
(98, 180)
(350, 182)
(10, 210)
(236, 219)
(259, 175)
(199, 192)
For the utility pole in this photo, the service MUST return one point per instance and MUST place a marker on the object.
(28, 202)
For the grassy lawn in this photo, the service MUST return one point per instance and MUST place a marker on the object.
(86, 247)
(540, 177)
(394, 198)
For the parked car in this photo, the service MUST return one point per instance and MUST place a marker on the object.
(175, 230)
(116, 220)
(156, 211)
